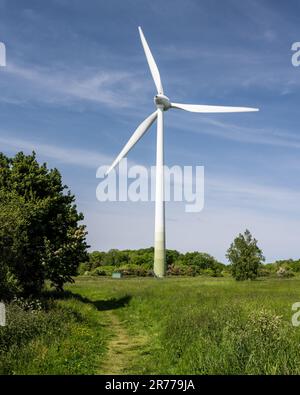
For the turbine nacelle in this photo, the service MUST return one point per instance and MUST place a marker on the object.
(162, 101)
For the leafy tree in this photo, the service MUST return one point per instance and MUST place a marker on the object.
(171, 257)
(199, 259)
(95, 260)
(140, 257)
(245, 257)
(40, 231)
(14, 219)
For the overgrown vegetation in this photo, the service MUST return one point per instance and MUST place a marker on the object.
(283, 268)
(52, 336)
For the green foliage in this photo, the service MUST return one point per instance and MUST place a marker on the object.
(172, 256)
(202, 263)
(136, 270)
(95, 260)
(280, 269)
(290, 265)
(40, 237)
(127, 270)
(284, 272)
(140, 263)
(294, 265)
(198, 259)
(83, 268)
(118, 258)
(245, 257)
(103, 271)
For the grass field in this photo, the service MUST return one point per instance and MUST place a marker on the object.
(171, 326)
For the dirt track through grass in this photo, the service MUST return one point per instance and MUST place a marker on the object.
(123, 350)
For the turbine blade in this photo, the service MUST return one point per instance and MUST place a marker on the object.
(211, 109)
(139, 132)
(151, 63)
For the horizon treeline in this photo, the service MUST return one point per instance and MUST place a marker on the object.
(140, 262)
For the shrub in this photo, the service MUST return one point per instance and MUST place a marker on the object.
(134, 270)
(175, 270)
(284, 273)
(264, 272)
(83, 268)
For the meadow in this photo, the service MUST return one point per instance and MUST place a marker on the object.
(178, 325)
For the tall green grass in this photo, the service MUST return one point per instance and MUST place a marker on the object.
(188, 326)
(66, 337)
(208, 326)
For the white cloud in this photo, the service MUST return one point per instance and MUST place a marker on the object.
(117, 89)
(238, 133)
(230, 191)
(72, 156)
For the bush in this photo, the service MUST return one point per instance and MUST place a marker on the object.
(175, 270)
(135, 270)
(284, 273)
(102, 271)
(83, 268)
(264, 272)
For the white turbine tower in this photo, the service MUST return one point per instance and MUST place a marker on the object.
(163, 103)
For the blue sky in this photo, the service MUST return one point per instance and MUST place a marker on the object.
(77, 85)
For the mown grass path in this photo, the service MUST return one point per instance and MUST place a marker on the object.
(122, 349)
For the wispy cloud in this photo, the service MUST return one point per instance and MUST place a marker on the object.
(117, 89)
(72, 156)
(247, 194)
(241, 134)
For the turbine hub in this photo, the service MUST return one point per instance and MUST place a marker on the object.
(162, 101)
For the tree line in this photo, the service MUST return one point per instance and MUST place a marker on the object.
(246, 262)
(140, 262)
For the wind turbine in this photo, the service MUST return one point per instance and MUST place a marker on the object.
(163, 103)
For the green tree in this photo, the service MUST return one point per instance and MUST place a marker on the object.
(12, 220)
(202, 263)
(47, 242)
(245, 257)
(171, 257)
(95, 260)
